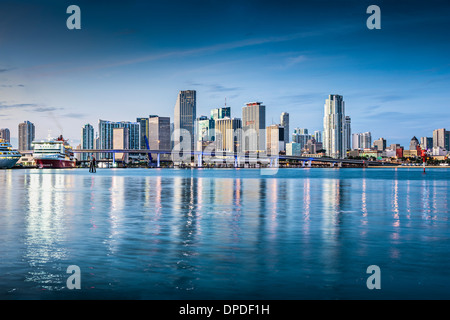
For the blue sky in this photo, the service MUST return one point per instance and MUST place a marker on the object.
(131, 58)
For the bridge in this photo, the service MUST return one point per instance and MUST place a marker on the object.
(236, 157)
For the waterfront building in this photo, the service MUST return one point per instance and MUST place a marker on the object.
(220, 113)
(347, 133)
(184, 117)
(361, 140)
(5, 134)
(26, 135)
(275, 139)
(441, 138)
(105, 131)
(414, 143)
(228, 134)
(426, 143)
(87, 140)
(335, 127)
(380, 144)
(143, 132)
(301, 136)
(121, 142)
(159, 134)
(312, 146)
(284, 121)
(293, 149)
(254, 119)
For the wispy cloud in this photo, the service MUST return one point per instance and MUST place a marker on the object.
(6, 69)
(32, 107)
(11, 85)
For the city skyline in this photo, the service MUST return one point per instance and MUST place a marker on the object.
(127, 61)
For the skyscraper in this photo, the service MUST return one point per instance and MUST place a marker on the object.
(275, 139)
(441, 138)
(105, 130)
(426, 143)
(254, 121)
(380, 144)
(5, 134)
(284, 121)
(143, 132)
(220, 113)
(228, 134)
(334, 127)
(301, 136)
(348, 133)
(318, 136)
(87, 140)
(159, 133)
(361, 141)
(26, 135)
(184, 116)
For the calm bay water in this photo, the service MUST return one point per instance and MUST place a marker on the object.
(225, 233)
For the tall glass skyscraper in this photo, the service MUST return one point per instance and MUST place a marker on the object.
(335, 127)
(284, 121)
(185, 114)
(105, 131)
(5, 134)
(87, 139)
(254, 121)
(220, 113)
(26, 135)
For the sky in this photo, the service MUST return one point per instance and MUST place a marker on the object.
(131, 58)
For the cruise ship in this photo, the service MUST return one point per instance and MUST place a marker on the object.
(56, 153)
(8, 156)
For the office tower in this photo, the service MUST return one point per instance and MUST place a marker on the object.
(5, 135)
(380, 144)
(254, 125)
(361, 141)
(284, 121)
(159, 133)
(334, 127)
(228, 134)
(301, 137)
(318, 136)
(26, 135)
(220, 113)
(441, 138)
(347, 133)
(184, 117)
(143, 132)
(414, 143)
(87, 140)
(426, 143)
(293, 149)
(105, 131)
(204, 132)
(120, 142)
(275, 139)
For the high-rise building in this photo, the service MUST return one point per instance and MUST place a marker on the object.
(284, 121)
(275, 139)
(228, 134)
(143, 132)
(348, 133)
(5, 135)
(105, 131)
(205, 132)
(441, 138)
(120, 142)
(426, 143)
(380, 144)
(26, 135)
(254, 125)
(159, 133)
(293, 149)
(335, 127)
(184, 117)
(312, 146)
(220, 113)
(318, 136)
(301, 137)
(87, 140)
(414, 143)
(361, 141)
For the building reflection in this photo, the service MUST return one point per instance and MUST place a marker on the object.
(45, 228)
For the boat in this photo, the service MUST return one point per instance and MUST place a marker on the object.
(56, 153)
(8, 156)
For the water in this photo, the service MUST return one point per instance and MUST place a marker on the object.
(225, 233)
